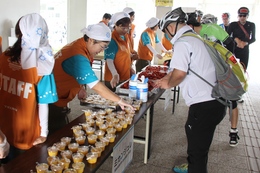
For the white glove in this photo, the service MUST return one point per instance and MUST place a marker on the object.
(4, 149)
(114, 81)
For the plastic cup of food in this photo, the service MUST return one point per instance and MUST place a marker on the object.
(120, 112)
(111, 130)
(103, 127)
(80, 140)
(102, 112)
(101, 145)
(99, 133)
(66, 162)
(66, 140)
(42, 167)
(60, 145)
(129, 120)
(83, 149)
(136, 106)
(128, 110)
(121, 117)
(123, 123)
(92, 158)
(66, 154)
(79, 133)
(108, 110)
(85, 125)
(99, 121)
(57, 168)
(88, 112)
(105, 140)
(130, 115)
(79, 167)
(118, 127)
(115, 120)
(96, 150)
(77, 157)
(90, 130)
(91, 122)
(111, 137)
(70, 170)
(109, 124)
(76, 128)
(92, 139)
(52, 151)
(73, 147)
(53, 158)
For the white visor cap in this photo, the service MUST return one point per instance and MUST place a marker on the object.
(119, 15)
(152, 22)
(128, 10)
(99, 32)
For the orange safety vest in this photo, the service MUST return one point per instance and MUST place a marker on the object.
(67, 85)
(19, 118)
(143, 51)
(130, 36)
(166, 43)
(122, 60)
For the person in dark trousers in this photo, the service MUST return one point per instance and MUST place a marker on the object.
(205, 112)
(243, 33)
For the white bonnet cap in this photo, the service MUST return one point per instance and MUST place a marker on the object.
(119, 15)
(152, 22)
(128, 10)
(100, 32)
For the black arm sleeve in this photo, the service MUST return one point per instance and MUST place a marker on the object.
(229, 44)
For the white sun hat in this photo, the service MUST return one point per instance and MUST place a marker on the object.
(128, 10)
(119, 15)
(100, 32)
(152, 22)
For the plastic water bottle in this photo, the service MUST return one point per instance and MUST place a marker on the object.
(132, 89)
(142, 91)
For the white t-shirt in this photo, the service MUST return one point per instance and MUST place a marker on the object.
(190, 50)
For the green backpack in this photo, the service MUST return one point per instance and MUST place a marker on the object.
(231, 80)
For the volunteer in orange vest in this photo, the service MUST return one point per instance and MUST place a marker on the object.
(147, 42)
(118, 55)
(27, 86)
(106, 18)
(131, 33)
(73, 70)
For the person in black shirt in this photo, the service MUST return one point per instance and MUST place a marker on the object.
(243, 33)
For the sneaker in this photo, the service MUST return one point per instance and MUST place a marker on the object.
(233, 139)
(240, 101)
(181, 168)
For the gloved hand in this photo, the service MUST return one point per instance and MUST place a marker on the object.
(114, 81)
(134, 56)
(159, 56)
(82, 94)
(123, 104)
(39, 140)
(4, 147)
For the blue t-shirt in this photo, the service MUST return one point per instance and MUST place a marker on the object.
(112, 49)
(79, 67)
(146, 39)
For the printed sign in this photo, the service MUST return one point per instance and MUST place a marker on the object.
(123, 152)
(164, 3)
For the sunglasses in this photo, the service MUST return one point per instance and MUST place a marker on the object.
(242, 15)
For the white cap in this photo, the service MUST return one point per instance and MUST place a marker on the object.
(100, 32)
(128, 10)
(152, 22)
(119, 15)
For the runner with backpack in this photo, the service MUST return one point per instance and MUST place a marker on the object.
(205, 112)
(212, 31)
